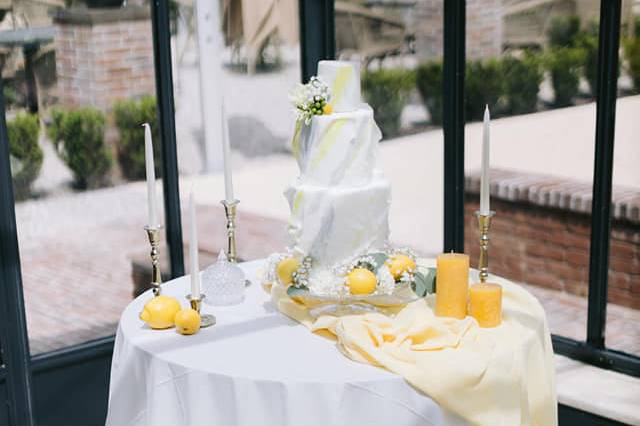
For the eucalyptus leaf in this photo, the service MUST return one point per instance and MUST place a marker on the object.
(297, 291)
(380, 259)
(424, 282)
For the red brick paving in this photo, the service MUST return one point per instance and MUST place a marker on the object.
(76, 285)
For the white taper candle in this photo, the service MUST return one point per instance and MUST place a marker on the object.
(193, 248)
(226, 158)
(152, 203)
(484, 176)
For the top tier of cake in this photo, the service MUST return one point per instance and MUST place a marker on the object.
(343, 79)
(339, 148)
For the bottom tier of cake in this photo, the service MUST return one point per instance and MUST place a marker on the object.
(334, 224)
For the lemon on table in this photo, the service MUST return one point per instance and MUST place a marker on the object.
(160, 312)
(361, 281)
(286, 268)
(398, 264)
(187, 321)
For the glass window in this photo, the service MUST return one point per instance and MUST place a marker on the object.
(399, 48)
(623, 310)
(77, 84)
(534, 67)
(244, 64)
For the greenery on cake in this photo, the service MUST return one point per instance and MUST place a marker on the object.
(311, 99)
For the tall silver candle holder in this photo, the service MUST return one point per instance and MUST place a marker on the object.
(484, 223)
(230, 210)
(206, 320)
(153, 232)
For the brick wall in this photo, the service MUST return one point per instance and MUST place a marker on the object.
(103, 56)
(541, 234)
(484, 28)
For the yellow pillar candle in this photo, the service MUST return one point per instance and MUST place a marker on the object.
(452, 285)
(485, 304)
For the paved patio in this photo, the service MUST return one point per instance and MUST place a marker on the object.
(77, 280)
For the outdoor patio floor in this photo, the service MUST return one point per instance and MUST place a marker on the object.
(76, 287)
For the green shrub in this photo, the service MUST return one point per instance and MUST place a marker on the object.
(589, 45)
(79, 140)
(429, 84)
(564, 65)
(129, 117)
(483, 86)
(564, 31)
(632, 55)
(25, 153)
(387, 92)
(521, 82)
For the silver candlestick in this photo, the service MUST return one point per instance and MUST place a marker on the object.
(484, 223)
(206, 320)
(153, 232)
(230, 210)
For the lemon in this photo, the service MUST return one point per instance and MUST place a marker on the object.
(327, 109)
(398, 264)
(361, 281)
(160, 312)
(286, 268)
(187, 321)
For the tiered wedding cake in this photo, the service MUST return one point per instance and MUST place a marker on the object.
(340, 202)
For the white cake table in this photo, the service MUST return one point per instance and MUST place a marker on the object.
(255, 367)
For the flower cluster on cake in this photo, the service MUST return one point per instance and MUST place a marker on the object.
(339, 223)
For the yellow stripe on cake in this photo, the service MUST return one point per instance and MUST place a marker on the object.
(329, 139)
(485, 304)
(340, 84)
(296, 202)
(295, 142)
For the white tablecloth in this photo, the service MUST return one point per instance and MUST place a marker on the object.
(256, 367)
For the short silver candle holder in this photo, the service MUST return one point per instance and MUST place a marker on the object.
(206, 320)
(484, 223)
(153, 232)
(230, 210)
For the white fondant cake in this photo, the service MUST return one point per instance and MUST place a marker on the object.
(343, 79)
(340, 202)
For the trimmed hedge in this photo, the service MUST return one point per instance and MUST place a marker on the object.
(483, 86)
(564, 31)
(632, 55)
(429, 84)
(25, 153)
(565, 66)
(521, 83)
(129, 116)
(387, 91)
(78, 136)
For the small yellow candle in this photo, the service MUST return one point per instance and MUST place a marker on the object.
(452, 285)
(485, 304)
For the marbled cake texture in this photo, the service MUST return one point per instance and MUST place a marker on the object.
(340, 202)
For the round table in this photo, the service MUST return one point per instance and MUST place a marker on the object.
(254, 367)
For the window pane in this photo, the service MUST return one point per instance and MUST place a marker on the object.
(533, 66)
(216, 67)
(623, 311)
(399, 47)
(77, 84)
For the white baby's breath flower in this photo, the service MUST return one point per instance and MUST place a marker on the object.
(386, 283)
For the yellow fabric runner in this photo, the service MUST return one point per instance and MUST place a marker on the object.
(499, 376)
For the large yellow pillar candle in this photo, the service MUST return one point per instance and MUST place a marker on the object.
(485, 304)
(452, 285)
